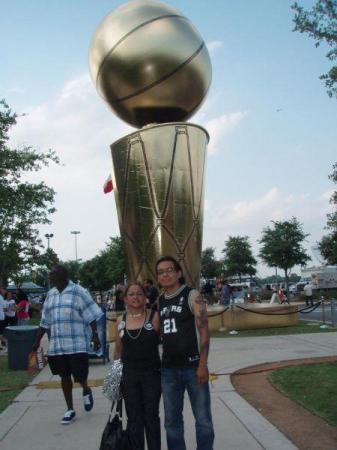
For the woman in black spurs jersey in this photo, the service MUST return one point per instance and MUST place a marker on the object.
(184, 327)
(137, 339)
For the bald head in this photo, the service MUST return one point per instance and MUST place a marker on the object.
(59, 277)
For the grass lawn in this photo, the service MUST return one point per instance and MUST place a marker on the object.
(302, 327)
(313, 386)
(11, 379)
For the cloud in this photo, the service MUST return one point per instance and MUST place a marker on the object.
(250, 217)
(328, 194)
(220, 127)
(78, 125)
(214, 45)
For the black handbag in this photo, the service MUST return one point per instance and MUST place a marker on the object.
(114, 437)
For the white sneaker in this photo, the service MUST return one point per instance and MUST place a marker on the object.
(69, 417)
(88, 401)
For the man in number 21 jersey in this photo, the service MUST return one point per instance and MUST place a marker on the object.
(184, 327)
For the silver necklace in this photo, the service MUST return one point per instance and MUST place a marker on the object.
(140, 329)
(136, 315)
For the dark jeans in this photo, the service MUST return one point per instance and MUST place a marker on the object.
(174, 382)
(309, 299)
(141, 391)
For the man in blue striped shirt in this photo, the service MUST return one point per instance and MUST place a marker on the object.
(69, 314)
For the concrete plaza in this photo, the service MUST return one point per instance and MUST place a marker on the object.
(32, 421)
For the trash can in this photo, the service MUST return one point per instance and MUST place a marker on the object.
(20, 341)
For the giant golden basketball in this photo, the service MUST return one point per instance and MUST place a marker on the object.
(149, 63)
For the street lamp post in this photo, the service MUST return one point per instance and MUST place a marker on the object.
(48, 236)
(75, 233)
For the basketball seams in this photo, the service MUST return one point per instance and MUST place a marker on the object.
(150, 71)
(167, 16)
(160, 80)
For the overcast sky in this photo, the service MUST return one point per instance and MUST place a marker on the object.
(273, 128)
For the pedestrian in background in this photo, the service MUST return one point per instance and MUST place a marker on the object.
(11, 317)
(3, 341)
(275, 298)
(22, 307)
(307, 290)
(70, 315)
(118, 298)
(225, 294)
(151, 293)
(218, 291)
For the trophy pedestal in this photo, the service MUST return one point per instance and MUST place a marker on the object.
(158, 181)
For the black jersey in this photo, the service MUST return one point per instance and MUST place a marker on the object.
(179, 332)
(140, 346)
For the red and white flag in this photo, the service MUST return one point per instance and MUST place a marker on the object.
(108, 187)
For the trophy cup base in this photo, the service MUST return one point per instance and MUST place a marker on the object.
(158, 180)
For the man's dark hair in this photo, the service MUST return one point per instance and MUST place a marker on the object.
(176, 265)
(149, 281)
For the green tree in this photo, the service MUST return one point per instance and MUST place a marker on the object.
(238, 257)
(328, 244)
(282, 246)
(24, 205)
(115, 260)
(210, 266)
(294, 278)
(328, 248)
(43, 265)
(92, 274)
(106, 269)
(74, 269)
(321, 24)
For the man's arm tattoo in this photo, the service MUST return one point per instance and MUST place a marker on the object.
(202, 319)
(200, 301)
(204, 348)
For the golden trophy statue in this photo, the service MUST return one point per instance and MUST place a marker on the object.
(152, 67)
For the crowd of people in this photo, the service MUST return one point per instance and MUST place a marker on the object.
(224, 293)
(177, 317)
(14, 310)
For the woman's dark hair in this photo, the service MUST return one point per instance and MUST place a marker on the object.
(21, 295)
(134, 283)
(176, 265)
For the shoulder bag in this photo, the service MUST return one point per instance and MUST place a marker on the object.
(114, 437)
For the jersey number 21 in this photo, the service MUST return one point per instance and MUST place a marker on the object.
(170, 326)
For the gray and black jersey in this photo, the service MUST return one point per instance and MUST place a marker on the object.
(178, 328)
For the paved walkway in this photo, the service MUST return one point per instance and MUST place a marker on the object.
(32, 421)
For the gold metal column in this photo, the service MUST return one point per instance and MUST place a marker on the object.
(159, 190)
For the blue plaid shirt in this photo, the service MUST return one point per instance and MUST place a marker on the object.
(67, 315)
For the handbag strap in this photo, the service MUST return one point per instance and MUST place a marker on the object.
(111, 411)
(119, 409)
